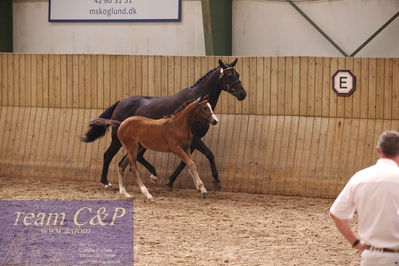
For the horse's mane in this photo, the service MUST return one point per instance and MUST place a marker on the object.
(203, 77)
(183, 106)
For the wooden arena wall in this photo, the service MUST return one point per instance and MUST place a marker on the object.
(292, 135)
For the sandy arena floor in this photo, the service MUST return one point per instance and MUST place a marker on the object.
(181, 228)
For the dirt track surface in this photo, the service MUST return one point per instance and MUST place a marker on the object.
(181, 228)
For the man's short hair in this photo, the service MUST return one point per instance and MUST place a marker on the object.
(388, 142)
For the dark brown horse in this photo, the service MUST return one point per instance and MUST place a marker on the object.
(168, 134)
(222, 78)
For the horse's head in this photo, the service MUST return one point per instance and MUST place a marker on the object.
(229, 80)
(204, 111)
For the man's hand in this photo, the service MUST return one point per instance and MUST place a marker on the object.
(361, 246)
(346, 230)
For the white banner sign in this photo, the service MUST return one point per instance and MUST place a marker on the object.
(114, 10)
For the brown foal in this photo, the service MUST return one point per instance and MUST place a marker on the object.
(168, 134)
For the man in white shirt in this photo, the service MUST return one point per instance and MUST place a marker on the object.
(374, 194)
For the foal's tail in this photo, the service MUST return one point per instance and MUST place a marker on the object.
(104, 122)
(97, 131)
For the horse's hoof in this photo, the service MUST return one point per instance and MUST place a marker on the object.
(127, 195)
(217, 185)
(169, 187)
(205, 195)
(151, 199)
(153, 179)
(108, 185)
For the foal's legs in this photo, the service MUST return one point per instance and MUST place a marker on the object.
(132, 153)
(123, 163)
(147, 165)
(109, 154)
(201, 147)
(139, 182)
(186, 158)
(175, 174)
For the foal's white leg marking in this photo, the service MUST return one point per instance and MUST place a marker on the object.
(139, 182)
(213, 114)
(214, 117)
(184, 155)
(122, 189)
(109, 185)
(197, 180)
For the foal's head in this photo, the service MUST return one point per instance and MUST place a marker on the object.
(204, 111)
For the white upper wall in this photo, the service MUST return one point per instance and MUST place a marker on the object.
(260, 28)
(275, 28)
(34, 34)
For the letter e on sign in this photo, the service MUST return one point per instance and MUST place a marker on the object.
(344, 82)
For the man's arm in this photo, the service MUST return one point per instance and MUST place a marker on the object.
(346, 230)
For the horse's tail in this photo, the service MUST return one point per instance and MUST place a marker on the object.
(97, 131)
(104, 122)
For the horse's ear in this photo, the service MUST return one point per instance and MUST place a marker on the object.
(221, 64)
(202, 99)
(205, 98)
(234, 62)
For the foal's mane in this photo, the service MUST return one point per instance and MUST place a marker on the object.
(180, 109)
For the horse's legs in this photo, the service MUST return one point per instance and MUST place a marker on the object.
(123, 163)
(147, 165)
(201, 147)
(173, 177)
(108, 155)
(186, 158)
